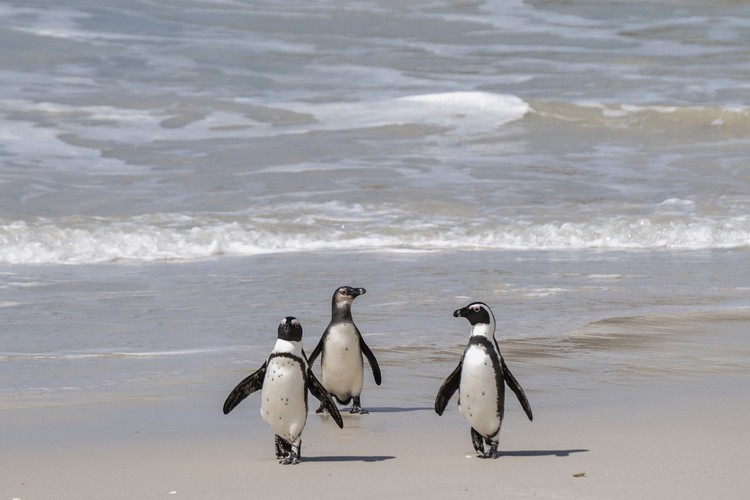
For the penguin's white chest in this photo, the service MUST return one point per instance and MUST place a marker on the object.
(283, 398)
(342, 366)
(479, 393)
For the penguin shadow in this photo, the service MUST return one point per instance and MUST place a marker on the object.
(540, 453)
(383, 409)
(350, 458)
(398, 409)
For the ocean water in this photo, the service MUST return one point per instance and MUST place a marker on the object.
(176, 176)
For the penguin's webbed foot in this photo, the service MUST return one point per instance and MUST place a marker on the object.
(485, 447)
(491, 452)
(290, 460)
(295, 453)
(357, 407)
(283, 449)
(478, 442)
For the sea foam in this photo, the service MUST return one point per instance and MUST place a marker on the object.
(460, 112)
(183, 238)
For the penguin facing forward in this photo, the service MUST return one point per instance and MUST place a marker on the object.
(341, 348)
(480, 379)
(285, 378)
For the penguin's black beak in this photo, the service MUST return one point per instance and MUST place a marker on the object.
(356, 292)
(459, 312)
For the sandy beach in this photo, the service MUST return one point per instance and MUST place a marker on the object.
(626, 408)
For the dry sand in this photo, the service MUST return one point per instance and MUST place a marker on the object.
(630, 408)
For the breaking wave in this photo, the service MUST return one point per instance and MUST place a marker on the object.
(179, 237)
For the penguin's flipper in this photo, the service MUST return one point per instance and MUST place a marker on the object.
(517, 389)
(248, 386)
(371, 359)
(446, 391)
(316, 352)
(322, 395)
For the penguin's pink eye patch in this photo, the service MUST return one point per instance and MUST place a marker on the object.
(294, 322)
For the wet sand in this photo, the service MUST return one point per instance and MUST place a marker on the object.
(625, 408)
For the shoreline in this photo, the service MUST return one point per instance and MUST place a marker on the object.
(631, 407)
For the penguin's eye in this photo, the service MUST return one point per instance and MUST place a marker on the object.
(475, 308)
(344, 292)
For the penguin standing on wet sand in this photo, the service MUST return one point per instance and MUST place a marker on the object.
(285, 379)
(341, 348)
(480, 379)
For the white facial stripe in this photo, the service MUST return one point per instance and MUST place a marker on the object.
(487, 330)
(492, 322)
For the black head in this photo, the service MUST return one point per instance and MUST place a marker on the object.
(478, 313)
(290, 329)
(345, 295)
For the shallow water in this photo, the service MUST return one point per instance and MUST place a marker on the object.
(116, 330)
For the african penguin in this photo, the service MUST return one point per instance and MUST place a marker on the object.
(480, 379)
(285, 378)
(341, 348)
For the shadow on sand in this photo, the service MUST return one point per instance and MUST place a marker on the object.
(540, 453)
(398, 409)
(350, 458)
